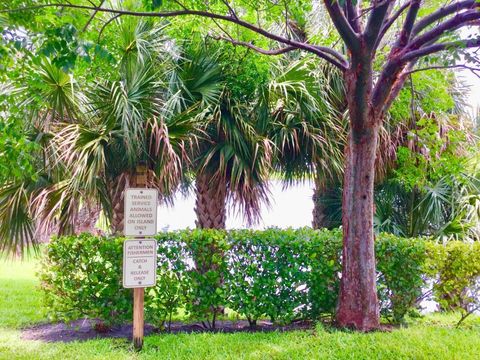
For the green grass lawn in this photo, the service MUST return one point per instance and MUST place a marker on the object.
(433, 337)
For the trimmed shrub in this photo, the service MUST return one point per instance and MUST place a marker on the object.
(268, 274)
(400, 268)
(325, 268)
(278, 274)
(456, 268)
(169, 294)
(82, 277)
(204, 287)
(190, 275)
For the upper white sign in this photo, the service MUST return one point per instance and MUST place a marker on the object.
(140, 212)
(139, 263)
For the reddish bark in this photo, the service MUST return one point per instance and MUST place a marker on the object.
(358, 303)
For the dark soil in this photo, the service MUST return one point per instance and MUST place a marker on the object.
(81, 330)
(78, 330)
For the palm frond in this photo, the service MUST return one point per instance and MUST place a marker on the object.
(139, 42)
(124, 106)
(302, 111)
(194, 82)
(17, 226)
(56, 96)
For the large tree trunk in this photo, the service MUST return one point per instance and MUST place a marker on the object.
(210, 205)
(358, 304)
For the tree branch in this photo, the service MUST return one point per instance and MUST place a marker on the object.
(407, 28)
(402, 60)
(375, 22)
(390, 21)
(254, 47)
(397, 86)
(427, 50)
(276, 51)
(180, 4)
(444, 12)
(102, 29)
(349, 36)
(352, 14)
(440, 67)
(454, 23)
(230, 9)
(91, 17)
(322, 51)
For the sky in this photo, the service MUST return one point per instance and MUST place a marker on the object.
(469, 78)
(290, 207)
(474, 83)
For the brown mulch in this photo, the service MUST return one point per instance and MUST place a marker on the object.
(77, 330)
(81, 330)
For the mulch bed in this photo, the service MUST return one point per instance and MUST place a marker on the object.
(81, 330)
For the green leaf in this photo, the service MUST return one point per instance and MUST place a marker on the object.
(156, 4)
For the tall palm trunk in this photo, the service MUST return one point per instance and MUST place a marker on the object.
(210, 208)
(86, 219)
(117, 213)
(117, 189)
(319, 219)
(210, 204)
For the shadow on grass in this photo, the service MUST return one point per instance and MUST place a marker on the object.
(86, 329)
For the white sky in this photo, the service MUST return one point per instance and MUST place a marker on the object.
(290, 207)
(474, 83)
(469, 78)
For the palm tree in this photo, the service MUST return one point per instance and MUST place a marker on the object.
(444, 206)
(230, 160)
(55, 98)
(302, 112)
(91, 145)
(126, 127)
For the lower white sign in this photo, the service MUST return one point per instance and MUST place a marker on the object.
(139, 263)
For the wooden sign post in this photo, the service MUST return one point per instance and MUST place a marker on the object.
(139, 272)
(138, 318)
(140, 254)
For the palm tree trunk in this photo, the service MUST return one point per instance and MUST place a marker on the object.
(210, 205)
(117, 214)
(318, 214)
(117, 190)
(86, 219)
(210, 208)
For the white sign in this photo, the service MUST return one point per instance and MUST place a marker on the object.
(139, 263)
(140, 212)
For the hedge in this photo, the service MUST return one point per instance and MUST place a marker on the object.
(455, 268)
(278, 274)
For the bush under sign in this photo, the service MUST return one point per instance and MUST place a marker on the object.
(139, 263)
